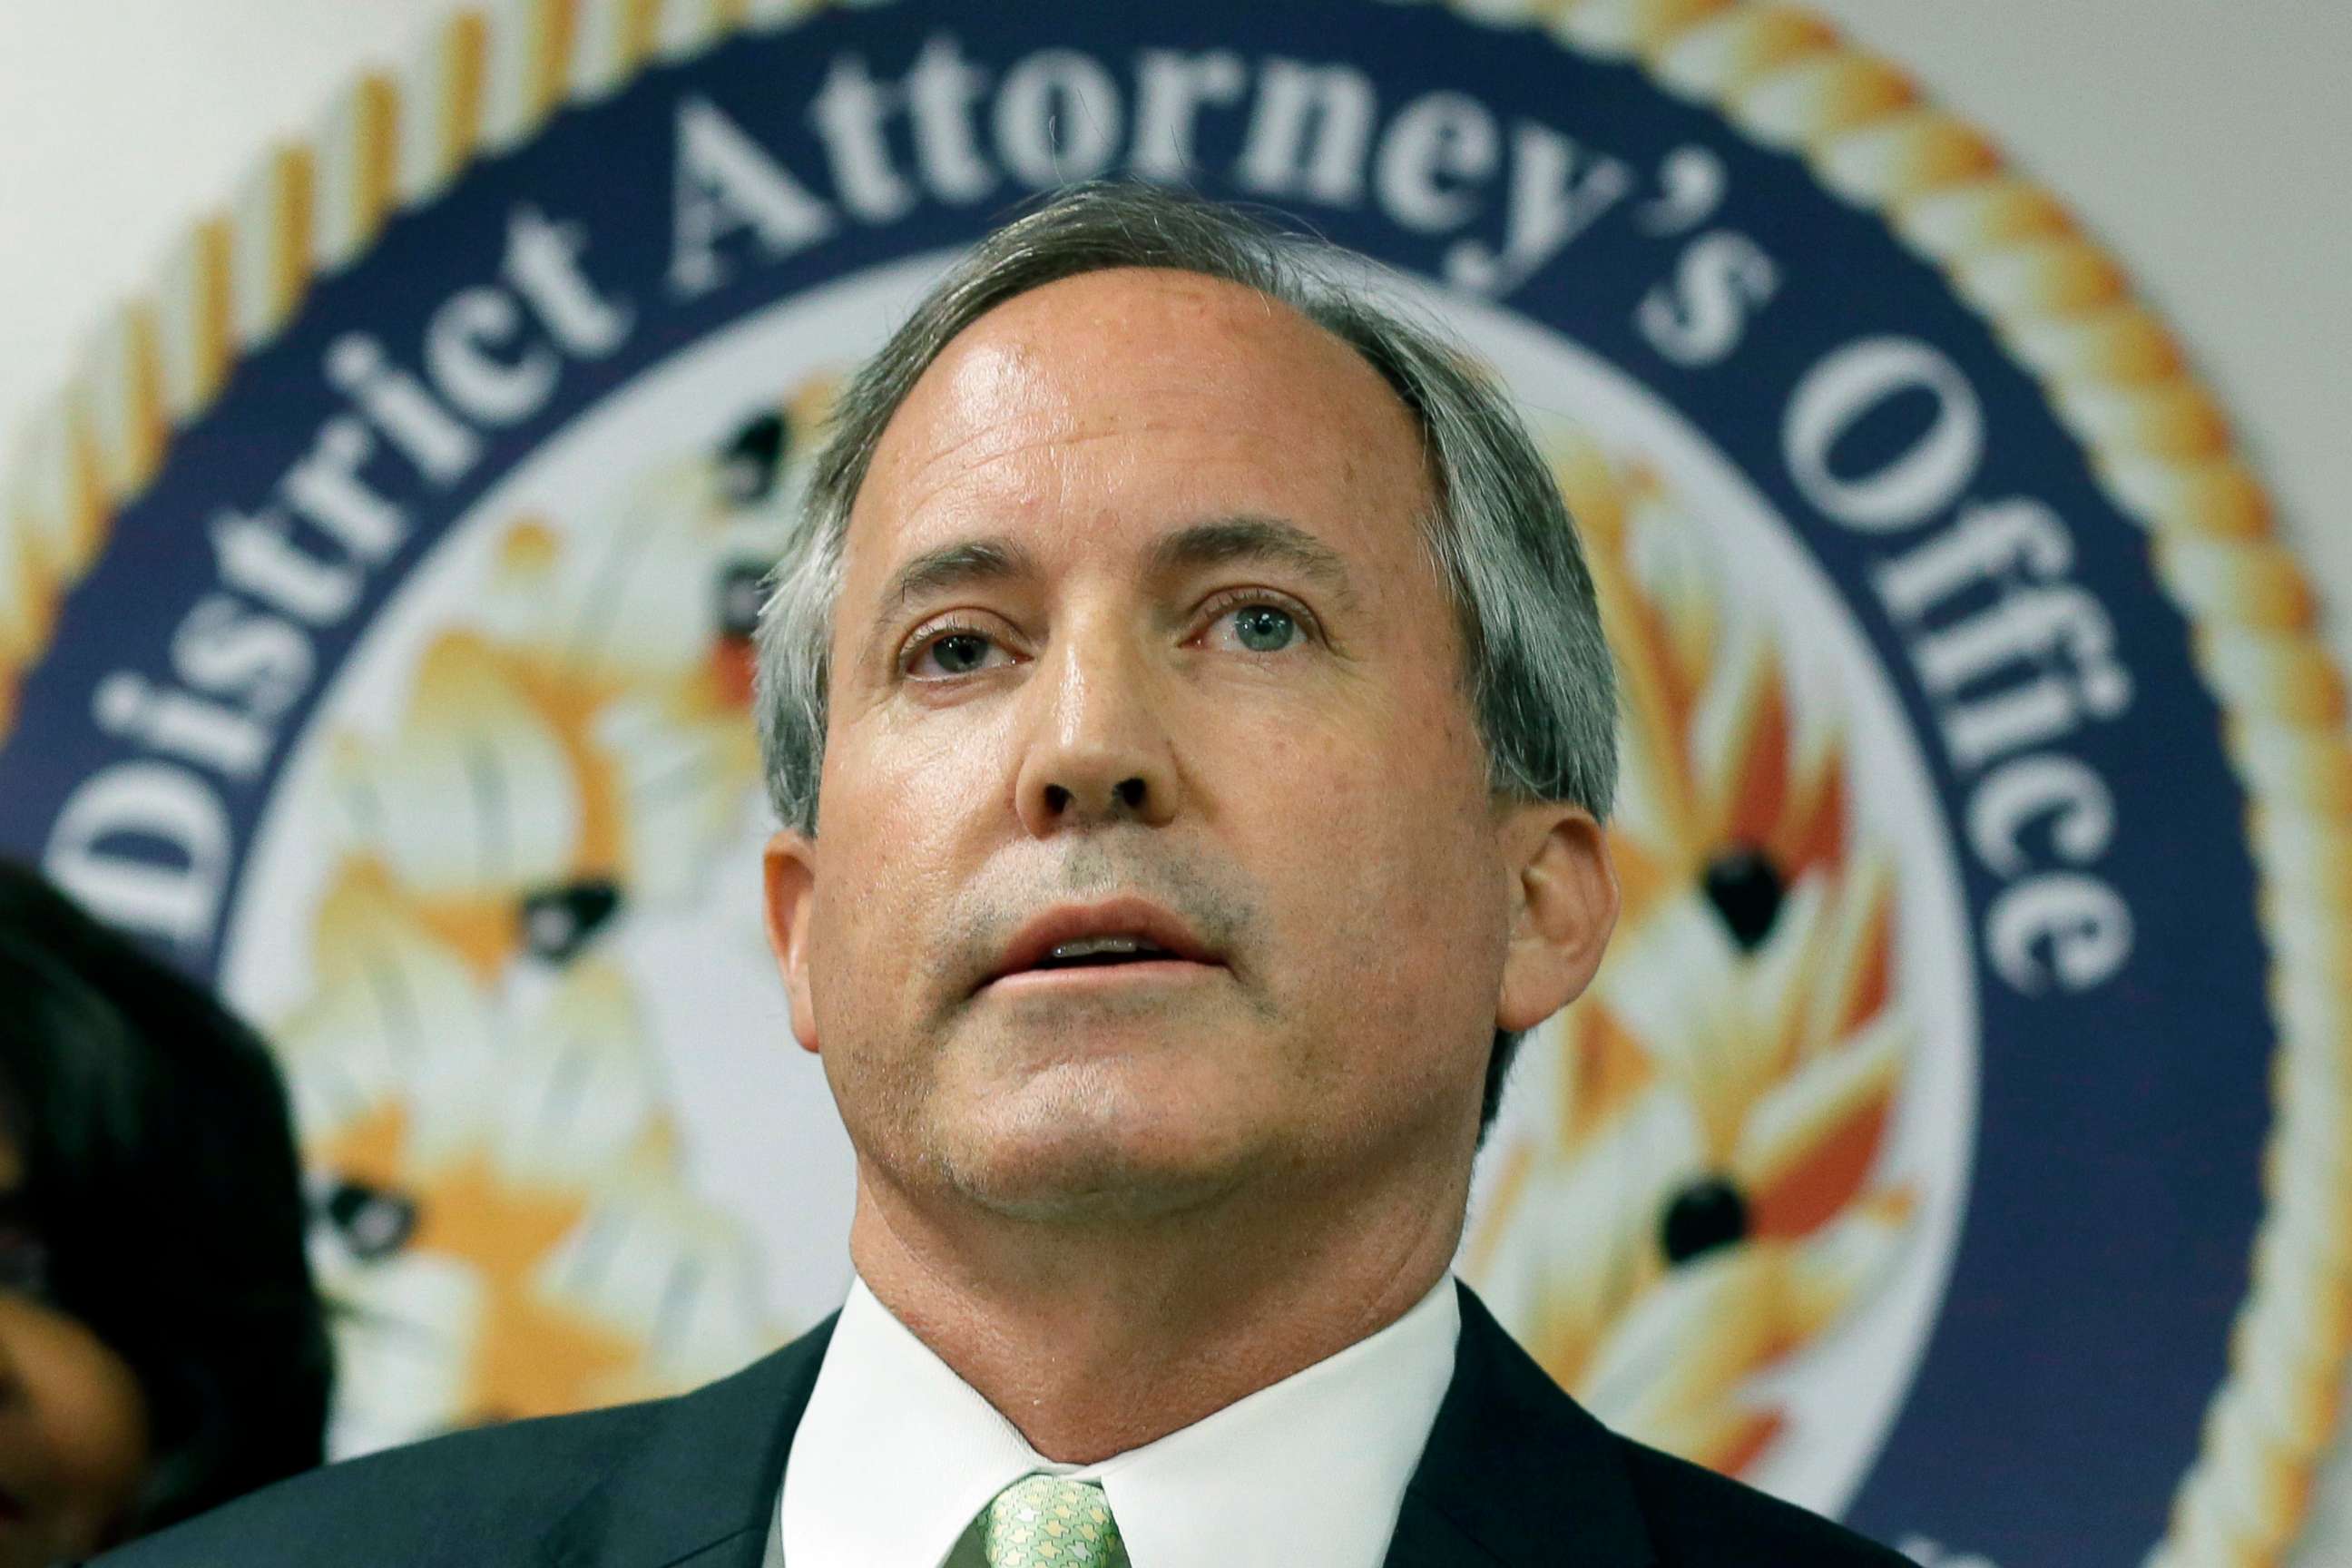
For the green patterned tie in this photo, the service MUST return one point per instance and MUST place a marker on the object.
(1045, 1521)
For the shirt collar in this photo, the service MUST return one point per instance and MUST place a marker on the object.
(896, 1455)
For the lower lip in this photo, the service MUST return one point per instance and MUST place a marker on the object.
(1100, 976)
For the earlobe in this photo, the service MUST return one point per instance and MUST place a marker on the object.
(1565, 909)
(788, 871)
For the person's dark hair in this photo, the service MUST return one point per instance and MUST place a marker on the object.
(1537, 669)
(160, 1176)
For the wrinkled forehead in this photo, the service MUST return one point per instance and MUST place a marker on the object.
(1188, 383)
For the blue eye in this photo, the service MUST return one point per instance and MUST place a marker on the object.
(1264, 630)
(960, 653)
(954, 650)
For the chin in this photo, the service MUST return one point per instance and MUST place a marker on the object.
(1052, 1158)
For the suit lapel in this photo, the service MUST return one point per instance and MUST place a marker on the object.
(701, 1488)
(1515, 1473)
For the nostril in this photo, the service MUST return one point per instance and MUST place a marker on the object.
(1058, 799)
(1131, 792)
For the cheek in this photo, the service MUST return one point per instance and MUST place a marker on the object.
(899, 792)
(1402, 789)
(80, 1410)
(898, 813)
(1379, 831)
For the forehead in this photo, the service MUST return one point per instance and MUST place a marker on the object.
(1146, 391)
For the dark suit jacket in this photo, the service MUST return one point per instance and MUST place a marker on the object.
(1515, 1475)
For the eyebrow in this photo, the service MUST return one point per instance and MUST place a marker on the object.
(966, 561)
(1267, 541)
(1217, 542)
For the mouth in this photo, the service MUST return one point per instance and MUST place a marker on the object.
(1123, 942)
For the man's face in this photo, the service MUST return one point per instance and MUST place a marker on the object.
(1136, 609)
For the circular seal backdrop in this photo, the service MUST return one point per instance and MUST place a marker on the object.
(1951, 1140)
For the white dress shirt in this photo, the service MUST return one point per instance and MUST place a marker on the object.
(896, 1455)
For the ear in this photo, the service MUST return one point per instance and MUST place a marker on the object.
(788, 869)
(1563, 906)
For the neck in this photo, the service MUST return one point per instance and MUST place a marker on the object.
(1179, 1315)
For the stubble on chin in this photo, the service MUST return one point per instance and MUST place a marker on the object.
(1012, 1106)
(1051, 1123)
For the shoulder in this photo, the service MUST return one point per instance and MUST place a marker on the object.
(483, 1497)
(1697, 1519)
(1515, 1466)
(652, 1482)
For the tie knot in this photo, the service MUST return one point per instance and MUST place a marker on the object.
(1047, 1521)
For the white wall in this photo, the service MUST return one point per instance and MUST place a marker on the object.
(2204, 140)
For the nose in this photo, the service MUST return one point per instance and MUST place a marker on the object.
(1097, 752)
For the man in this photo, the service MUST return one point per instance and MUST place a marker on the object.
(1188, 712)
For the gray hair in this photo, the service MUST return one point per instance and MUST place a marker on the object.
(1537, 671)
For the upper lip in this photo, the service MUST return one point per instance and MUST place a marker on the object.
(1138, 918)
